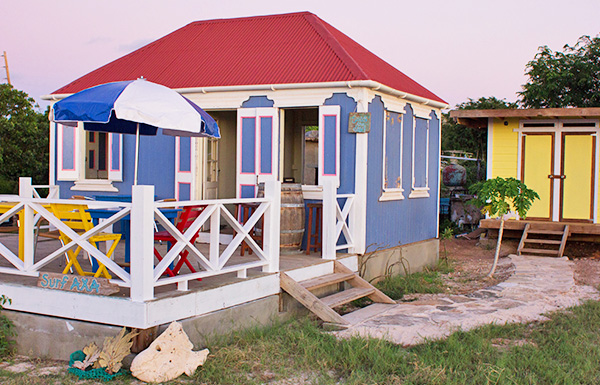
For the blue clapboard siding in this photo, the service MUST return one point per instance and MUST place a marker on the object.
(347, 142)
(156, 167)
(399, 222)
(257, 101)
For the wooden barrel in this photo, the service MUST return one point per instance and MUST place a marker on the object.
(292, 217)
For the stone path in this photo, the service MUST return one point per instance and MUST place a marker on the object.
(538, 285)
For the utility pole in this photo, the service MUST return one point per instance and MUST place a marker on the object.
(6, 67)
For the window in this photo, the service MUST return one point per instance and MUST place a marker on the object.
(93, 160)
(96, 155)
(392, 157)
(420, 158)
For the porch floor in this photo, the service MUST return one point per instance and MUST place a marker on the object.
(46, 246)
(579, 231)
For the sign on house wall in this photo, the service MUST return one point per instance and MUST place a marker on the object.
(359, 122)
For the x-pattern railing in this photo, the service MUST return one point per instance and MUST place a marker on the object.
(30, 267)
(342, 214)
(215, 262)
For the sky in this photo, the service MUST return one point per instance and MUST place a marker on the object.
(458, 49)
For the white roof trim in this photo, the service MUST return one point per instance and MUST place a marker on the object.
(373, 85)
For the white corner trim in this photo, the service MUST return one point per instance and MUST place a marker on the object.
(391, 195)
(94, 185)
(419, 192)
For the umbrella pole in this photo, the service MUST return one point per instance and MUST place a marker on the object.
(137, 153)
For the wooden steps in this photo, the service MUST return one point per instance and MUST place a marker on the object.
(323, 307)
(346, 296)
(546, 234)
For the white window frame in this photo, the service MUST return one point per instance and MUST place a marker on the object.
(77, 176)
(420, 191)
(391, 193)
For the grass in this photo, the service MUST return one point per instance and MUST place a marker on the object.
(563, 350)
(427, 281)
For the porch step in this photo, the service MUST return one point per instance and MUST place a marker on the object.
(346, 296)
(544, 241)
(539, 251)
(547, 232)
(323, 307)
(326, 280)
(541, 230)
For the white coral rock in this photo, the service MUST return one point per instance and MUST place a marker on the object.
(168, 357)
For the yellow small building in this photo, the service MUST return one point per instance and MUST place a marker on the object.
(554, 151)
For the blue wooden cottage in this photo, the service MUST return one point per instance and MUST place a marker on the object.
(296, 101)
(268, 81)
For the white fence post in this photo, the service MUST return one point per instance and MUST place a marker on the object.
(272, 218)
(329, 218)
(142, 243)
(26, 235)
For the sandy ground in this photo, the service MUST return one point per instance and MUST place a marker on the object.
(472, 260)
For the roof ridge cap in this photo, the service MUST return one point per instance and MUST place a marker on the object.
(243, 18)
(347, 59)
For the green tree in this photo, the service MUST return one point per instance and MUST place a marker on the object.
(499, 197)
(458, 137)
(564, 79)
(23, 140)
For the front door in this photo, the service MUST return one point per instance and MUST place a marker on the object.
(578, 176)
(537, 166)
(257, 149)
(211, 169)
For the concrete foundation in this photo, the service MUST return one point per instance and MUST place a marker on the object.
(56, 338)
(405, 259)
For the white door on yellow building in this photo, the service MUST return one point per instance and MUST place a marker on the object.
(578, 176)
(537, 165)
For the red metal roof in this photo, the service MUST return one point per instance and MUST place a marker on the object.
(275, 49)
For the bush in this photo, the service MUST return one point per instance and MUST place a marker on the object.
(7, 330)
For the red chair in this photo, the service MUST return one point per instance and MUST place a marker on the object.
(184, 221)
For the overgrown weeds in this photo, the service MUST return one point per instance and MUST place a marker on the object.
(563, 350)
(7, 330)
(428, 281)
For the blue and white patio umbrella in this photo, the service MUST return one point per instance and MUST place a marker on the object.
(135, 107)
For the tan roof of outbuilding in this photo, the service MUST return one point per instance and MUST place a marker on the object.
(479, 118)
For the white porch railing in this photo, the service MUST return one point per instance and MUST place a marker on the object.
(145, 275)
(31, 211)
(336, 219)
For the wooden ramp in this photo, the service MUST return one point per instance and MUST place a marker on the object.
(323, 307)
(544, 239)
